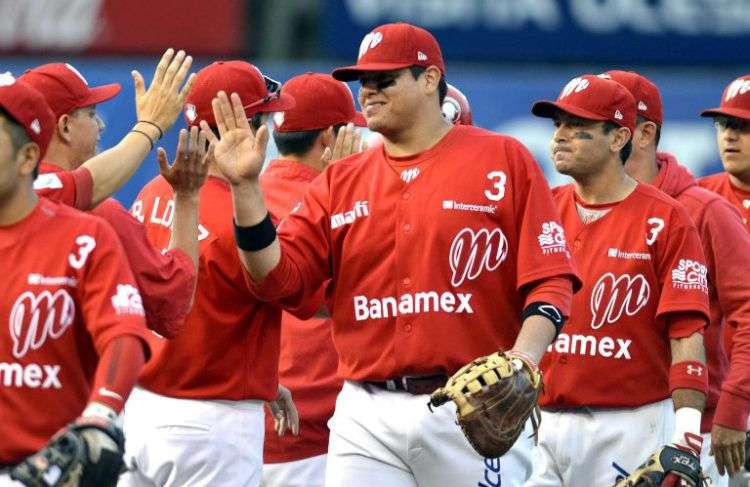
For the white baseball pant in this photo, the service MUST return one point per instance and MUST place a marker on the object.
(185, 442)
(587, 446)
(391, 439)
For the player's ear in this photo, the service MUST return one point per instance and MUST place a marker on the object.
(647, 134)
(63, 128)
(327, 137)
(27, 158)
(620, 137)
(432, 79)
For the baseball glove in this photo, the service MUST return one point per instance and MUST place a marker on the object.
(82, 455)
(669, 466)
(494, 395)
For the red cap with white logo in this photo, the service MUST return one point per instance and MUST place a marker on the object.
(394, 46)
(735, 101)
(320, 102)
(592, 98)
(456, 108)
(29, 108)
(259, 93)
(65, 88)
(644, 91)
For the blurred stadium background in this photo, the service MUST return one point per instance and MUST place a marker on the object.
(503, 54)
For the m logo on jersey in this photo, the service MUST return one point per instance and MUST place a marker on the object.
(34, 318)
(347, 218)
(690, 274)
(552, 238)
(409, 175)
(472, 252)
(612, 296)
(127, 301)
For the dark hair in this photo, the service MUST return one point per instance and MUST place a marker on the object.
(298, 143)
(295, 143)
(641, 119)
(18, 136)
(609, 126)
(416, 72)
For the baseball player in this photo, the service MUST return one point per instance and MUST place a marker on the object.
(732, 121)
(72, 335)
(431, 243)
(644, 299)
(456, 108)
(157, 108)
(318, 130)
(166, 280)
(196, 417)
(714, 218)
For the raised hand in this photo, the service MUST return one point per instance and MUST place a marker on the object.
(162, 102)
(238, 151)
(348, 141)
(188, 172)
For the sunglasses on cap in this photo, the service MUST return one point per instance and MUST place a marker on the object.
(274, 92)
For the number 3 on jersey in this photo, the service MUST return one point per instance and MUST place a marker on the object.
(498, 186)
(657, 225)
(86, 245)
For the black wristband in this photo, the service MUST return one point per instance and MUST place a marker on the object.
(161, 132)
(547, 310)
(255, 237)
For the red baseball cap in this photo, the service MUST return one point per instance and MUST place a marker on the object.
(592, 98)
(644, 91)
(735, 101)
(65, 88)
(456, 108)
(259, 93)
(29, 108)
(320, 102)
(394, 46)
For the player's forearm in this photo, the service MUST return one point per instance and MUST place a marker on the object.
(689, 385)
(111, 169)
(250, 210)
(117, 372)
(537, 332)
(185, 225)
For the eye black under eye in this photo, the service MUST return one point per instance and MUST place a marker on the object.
(380, 83)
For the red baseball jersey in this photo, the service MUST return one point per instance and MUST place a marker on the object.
(715, 218)
(66, 293)
(640, 261)
(308, 360)
(74, 188)
(166, 279)
(229, 348)
(429, 255)
(721, 184)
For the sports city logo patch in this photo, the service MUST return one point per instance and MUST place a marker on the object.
(127, 301)
(552, 238)
(690, 275)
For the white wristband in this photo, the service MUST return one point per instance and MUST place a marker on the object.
(687, 428)
(99, 410)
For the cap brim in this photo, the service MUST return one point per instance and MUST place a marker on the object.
(280, 104)
(102, 93)
(548, 109)
(728, 112)
(351, 73)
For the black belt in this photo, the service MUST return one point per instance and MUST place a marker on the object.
(412, 385)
